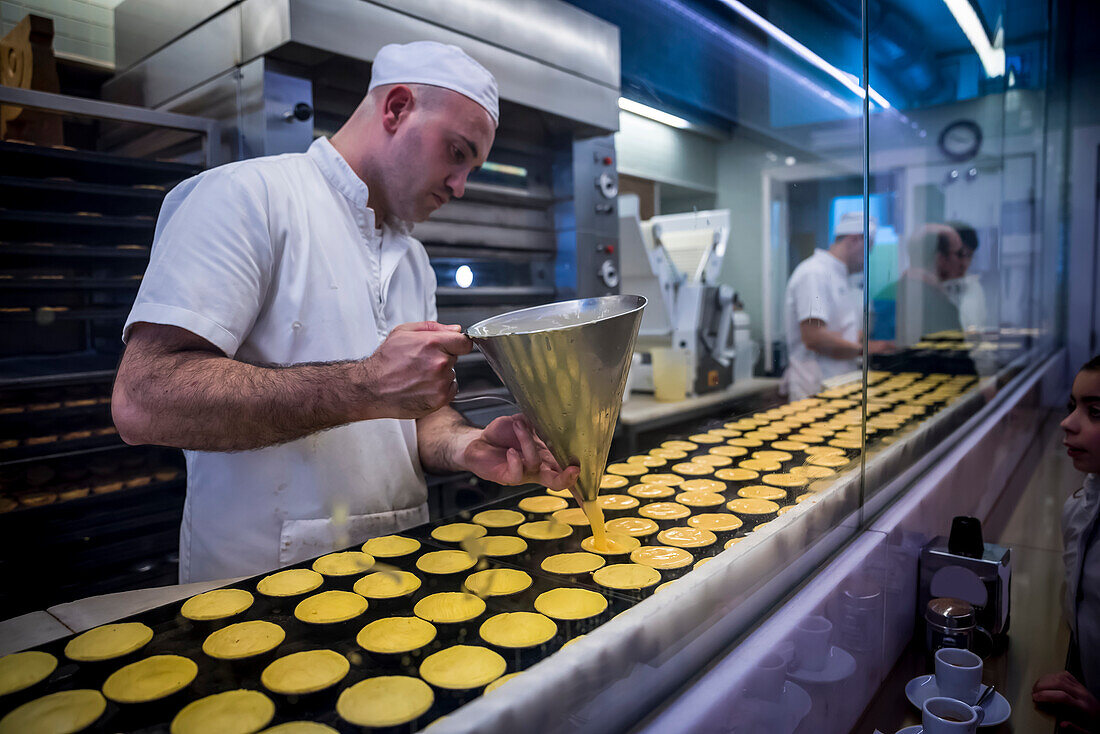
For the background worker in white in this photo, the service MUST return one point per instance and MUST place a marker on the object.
(822, 326)
(285, 337)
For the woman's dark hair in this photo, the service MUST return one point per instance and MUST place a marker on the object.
(1093, 365)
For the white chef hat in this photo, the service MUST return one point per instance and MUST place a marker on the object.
(438, 65)
(852, 223)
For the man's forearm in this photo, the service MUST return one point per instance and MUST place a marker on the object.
(441, 440)
(831, 344)
(204, 402)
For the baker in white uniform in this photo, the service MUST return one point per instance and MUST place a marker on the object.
(821, 323)
(284, 334)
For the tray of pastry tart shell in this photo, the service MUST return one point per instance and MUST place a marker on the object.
(27, 193)
(43, 162)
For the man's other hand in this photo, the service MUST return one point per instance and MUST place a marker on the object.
(507, 451)
(1071, 700)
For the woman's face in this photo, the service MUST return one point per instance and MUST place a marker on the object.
(1082, 425)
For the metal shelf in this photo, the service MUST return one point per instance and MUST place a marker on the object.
(88, 166)
(93, 284)
(71, 251)
(57, 370)
(25, 192)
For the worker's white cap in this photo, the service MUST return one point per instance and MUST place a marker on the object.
(852, 223)
(438, 65)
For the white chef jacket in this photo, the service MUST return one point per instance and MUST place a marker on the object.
(277, 260)
(1081, 553)
(818, 289)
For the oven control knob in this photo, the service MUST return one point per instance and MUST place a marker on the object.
(607, 185)
(609, 274)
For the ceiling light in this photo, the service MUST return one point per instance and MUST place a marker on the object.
(992, 58)
(464, 276)
(848, 80)
(656, 115)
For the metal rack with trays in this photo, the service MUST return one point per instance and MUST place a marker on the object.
(75, 231)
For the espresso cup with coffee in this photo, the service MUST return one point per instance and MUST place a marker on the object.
(958, 674)
(940, 715)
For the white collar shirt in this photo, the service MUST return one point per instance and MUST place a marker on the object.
(818, 289)
(277, 260)
(1081, 553)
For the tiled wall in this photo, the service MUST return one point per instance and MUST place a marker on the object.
(84, 30)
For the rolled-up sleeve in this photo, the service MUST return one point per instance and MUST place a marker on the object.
(211, 260)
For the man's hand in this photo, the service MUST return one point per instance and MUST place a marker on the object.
(411, 374)
(507, 451)
(876, 346)
(1070, 699)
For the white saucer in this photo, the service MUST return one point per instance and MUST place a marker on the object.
(923, 687)
(838, 665)
(915, 729)
(780, 715)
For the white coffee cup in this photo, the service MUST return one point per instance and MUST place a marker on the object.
(811, 643)
(958, 674)
(768, 677)
(940, 715)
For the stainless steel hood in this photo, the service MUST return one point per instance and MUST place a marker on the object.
(546, 55)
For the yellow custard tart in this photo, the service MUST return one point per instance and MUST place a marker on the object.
(693, 469)
(627, 469)
(462, 667)
(664, 511)
(700, 498)
(638, 527)
(617, 502)
(385, 701)
(441, 563)
(702, 485)
(345, 563)
(305, 672)
(627, 576)
(108, 641)
(389, 584)
(614, 544)
(728, 451)
(216, 604)
(612, 481)
(246, 639)
(499, 518)
(572, 516)
(686, 537)
(715, 522)
(669, 480)
(542, 504)
(21, 670)
(572, 564)
(518, 630)
(679, 445)
(662, 557)
(715, 460)
(497, 582)
(545, 530)
(651, 491)
(785, 480)
(330, 607)
(391, 546)
(395, 635)
(291, 582)
(752, 507)
(645, 460)
(760, 465)
(151, 679)
(64, 711)
(570, 604)
(737, 474)
(762, 492)
(232, 711)
(449, 607)
(456, 532)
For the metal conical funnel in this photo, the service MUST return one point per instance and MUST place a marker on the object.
(566, 365)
